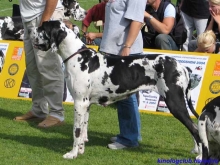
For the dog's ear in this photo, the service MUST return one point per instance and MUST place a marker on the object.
(57, 36)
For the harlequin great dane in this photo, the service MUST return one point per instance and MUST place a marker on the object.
(2, 60)
(73, 9)
(209, 132)
(11, 28)
(95, 78)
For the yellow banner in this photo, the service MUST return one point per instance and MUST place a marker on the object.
(205, 76)
(13, 67)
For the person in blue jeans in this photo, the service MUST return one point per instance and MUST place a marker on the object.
(122, 36)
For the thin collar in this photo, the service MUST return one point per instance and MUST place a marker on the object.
(79, 51)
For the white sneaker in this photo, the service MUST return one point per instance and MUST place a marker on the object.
(116, 146)
(113, 139)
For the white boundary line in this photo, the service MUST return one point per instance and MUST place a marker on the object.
(6, 9)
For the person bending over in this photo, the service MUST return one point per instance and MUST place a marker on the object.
(159, 22)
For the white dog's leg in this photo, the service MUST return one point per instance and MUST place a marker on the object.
(202, 135)
(195, 150)
(85, 129)
(84, 133)
(78, 144)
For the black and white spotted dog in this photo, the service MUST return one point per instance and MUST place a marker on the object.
(73, 9)
(11, 28)
(2, 60)
(209, 132)
(93, 78)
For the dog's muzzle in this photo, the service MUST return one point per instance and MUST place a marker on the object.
(37, 42)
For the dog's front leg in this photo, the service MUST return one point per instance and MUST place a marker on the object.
(84, 133)
(85, 129)
(78, 144)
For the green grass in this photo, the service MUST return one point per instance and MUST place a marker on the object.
(23, 143)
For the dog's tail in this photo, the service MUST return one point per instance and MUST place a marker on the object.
(189, 101)
(188, 95)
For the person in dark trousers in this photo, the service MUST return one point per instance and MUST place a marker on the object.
(160, 20)
(195, 14)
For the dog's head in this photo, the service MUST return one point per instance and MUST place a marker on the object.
(9, 23)
(7, 27)
(11, 28)
(73, 9)
(49, 35)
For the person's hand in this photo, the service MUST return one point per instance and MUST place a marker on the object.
(90, 37)
(125, 51)
(216, 16)
(215, 11)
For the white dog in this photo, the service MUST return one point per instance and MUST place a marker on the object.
(209, 132)
(2, 60)
(95, 78)
(73, 9)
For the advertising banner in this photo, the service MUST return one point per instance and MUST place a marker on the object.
(204, 73)
(12, 64)
(195, 64)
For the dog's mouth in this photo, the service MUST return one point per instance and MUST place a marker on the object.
(43, 47)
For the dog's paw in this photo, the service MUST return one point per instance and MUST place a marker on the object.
(199, 157)
(81, 150)
(70, 155)
(195, 151)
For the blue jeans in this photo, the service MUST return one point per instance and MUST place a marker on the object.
(129, 122)
(165, 42)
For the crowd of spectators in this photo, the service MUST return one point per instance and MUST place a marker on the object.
(160, 20)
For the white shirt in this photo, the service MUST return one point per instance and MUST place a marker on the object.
(30, 9)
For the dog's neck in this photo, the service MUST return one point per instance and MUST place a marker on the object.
(70, 45)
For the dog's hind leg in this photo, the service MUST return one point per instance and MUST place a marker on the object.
(197, 149)
(80, 111)
(175, 101)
